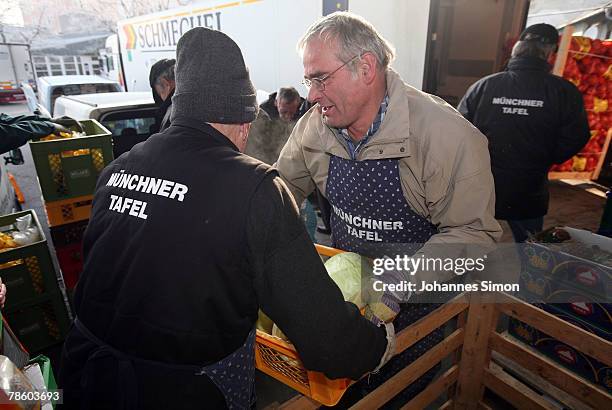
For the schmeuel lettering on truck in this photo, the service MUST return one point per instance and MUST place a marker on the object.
(166, 33)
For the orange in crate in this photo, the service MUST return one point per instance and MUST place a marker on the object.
(69, 210)
(279, 359)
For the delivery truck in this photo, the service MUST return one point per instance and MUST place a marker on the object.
(432, 38)
(15, 68)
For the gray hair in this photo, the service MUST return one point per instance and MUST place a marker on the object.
(535, 49)
(168, 74)
(288, 94)
(354, 36)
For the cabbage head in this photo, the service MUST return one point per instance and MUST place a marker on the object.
(345, 271)
(264, 323)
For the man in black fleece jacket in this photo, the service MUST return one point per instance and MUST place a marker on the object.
(532, 119)
(188, 238)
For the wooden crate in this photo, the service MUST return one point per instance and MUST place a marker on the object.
(558, 69)
(490, 360)
(586, 175)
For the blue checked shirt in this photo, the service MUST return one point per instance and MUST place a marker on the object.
(354, 149)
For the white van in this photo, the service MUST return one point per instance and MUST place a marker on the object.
(50, 88)
(129, 116)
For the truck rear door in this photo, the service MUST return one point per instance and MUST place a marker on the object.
(452, 64)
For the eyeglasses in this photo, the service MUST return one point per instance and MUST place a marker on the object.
(319, 83)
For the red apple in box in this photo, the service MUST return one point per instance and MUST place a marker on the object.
(600, 68)
(608, 47)
(601, 91)
(566, 166)
(589, 65)
(591, 163)
(571, 69)
(597, 47)
(591, 80)
(588, 100)
(605, 120)
(592, 147)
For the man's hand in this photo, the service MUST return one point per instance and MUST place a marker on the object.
(66, 122)
(57, 128)
(381, 308)
(2, 294)
(383, 296)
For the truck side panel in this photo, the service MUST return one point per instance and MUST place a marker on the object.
(15, 68)
(266, 30)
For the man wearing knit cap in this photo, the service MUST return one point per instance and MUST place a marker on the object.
(532, 119)
(188, 238)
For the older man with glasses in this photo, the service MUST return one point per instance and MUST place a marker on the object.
(402, 169)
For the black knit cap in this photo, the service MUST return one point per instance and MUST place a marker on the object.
(156, 70)
(212, 81)
(542, 32)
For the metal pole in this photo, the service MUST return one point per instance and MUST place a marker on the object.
(10, 50)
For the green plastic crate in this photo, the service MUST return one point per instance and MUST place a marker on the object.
(41, 323)
(27, 271)
(45, 367)
(61, 173)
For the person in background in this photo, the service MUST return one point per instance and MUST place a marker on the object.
(174, 276)
(268, 137)
(285, 104)
(16, 131)
(383, 152)
(532, 119)
(2, 294)
(161, 79)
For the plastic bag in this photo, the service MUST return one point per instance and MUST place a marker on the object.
(27, 233)
(12, 381)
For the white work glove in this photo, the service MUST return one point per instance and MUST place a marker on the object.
(390, 350)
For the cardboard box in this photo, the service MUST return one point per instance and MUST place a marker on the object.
(563, 354)
(580, 287)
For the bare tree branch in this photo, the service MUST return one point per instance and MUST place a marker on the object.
(36, 29)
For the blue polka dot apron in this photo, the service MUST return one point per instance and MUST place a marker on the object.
(233, 375)
(370, 216)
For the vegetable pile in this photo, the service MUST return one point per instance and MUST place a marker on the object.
(63, 135)
(589, 67)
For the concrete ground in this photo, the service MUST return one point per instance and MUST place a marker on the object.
(574, 203)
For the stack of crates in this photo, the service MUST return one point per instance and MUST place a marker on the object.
(67, 171)
(575, 290)
(35, 307)
(68, 242)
